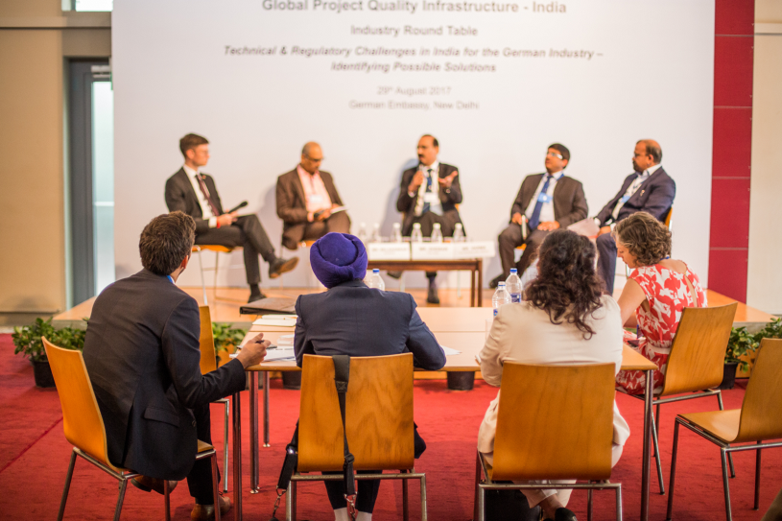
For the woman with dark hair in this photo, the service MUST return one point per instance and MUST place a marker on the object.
(657, 291)
(565, 320)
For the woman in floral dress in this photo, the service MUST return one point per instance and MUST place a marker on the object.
(658, 289)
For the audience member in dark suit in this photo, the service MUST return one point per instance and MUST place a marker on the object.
(429, 194)
(545, 202)
(143, 356)
(351, 319)
(305, 198)
(195, 194)
(648, 190)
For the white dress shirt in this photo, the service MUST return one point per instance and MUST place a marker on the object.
(547, 210)
(435, 205)
(634, 186)
(206, 208)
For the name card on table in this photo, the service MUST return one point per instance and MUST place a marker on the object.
(432, 250)
(388, 251)
(473, 250)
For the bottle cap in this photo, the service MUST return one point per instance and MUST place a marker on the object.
(513, 270)
(375, 270)
(501, 284)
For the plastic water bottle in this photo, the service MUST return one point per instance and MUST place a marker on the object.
(397, 236)
(417, 236)
(458, 233)
(374, 280)
(513, 285)
(501, 296)
(362, 233)
(376, 234)
(437, 233)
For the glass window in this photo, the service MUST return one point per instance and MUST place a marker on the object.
(103, 182)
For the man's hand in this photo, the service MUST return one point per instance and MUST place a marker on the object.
(446, 181)
(253, 351)
(418, 180)
(227, 219)
(548, 226)
(324, 214)
(604, 230)
(517, 218)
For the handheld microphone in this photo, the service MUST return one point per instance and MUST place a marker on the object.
(240, 205)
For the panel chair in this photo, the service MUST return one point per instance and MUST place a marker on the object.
(379, 415)
(758, 420)
(209, 364)
(573, 441)
(84, 428)
(695, 365)
(218, 249)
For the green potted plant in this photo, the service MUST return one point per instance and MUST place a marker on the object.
(225, 339)
(740, 343)
(27, 341)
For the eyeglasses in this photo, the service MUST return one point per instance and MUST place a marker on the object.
(314, 160)
(554, 154)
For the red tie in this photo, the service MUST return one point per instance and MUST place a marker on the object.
(205, 191)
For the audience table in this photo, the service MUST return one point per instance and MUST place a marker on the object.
(463, 329)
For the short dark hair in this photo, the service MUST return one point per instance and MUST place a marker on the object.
(434, 140)
(191, 141)
(166, 241)
(653, 149)
(562, 149)
(645, 237)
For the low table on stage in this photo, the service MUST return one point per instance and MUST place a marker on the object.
(463, 329)
(475, 266)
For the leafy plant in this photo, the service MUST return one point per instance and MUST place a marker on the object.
(742, 343)
(226, 336)
(27, 339)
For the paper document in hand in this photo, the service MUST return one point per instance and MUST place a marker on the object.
(450, 351)
(585, 227)
(338, 209)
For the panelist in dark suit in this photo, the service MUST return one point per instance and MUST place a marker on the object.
(305, 198)
(143, 356)
(351, 319)
(649, 190)
(195, 194)
(545, 202)
(429, 194)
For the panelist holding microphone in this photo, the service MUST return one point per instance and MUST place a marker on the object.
(429, 194)
(195, 194)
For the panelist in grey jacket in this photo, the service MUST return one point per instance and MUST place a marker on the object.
(351, 319)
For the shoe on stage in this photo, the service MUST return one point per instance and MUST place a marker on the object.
(280, 266)
(431, 296)
(563, 514)
(207, 512)
(394, 274)
(496, 281)
(148, 484)
(255, 294)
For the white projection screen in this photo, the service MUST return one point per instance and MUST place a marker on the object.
(495, 81)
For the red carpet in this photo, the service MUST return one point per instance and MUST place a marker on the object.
(34, 461)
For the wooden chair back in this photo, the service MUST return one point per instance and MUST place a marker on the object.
(761, 412)
(208, 358)
(698, 349)
(554, 422)
(668, 217)
(379, 414)
(81, 418)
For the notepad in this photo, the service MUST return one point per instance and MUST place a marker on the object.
(276, 320)
(450, 351)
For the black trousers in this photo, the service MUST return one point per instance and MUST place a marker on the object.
(199, 481)
(606, 262)
(248, 233)
(427, 221)
(509, 239)
(339, 222)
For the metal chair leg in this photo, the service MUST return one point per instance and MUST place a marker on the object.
(225, 448)
(619, 503)
(167, 499)
(423, 498)
(757, 479)
(481, 506)
(589, 504)
(405, 505)
(730, 456)
(215, 485)
(294, 499)
(217, 265)
(673, 470)
(122, 486)
(203, 284)
(67, 485)
(725, 484)
(477, 486)
(657, 455)
(289, 502)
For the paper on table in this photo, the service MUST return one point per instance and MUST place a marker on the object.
(585, 227)
(276, 320)
(275, 355)
(450, 351)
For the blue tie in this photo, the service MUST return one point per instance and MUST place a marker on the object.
(428, 189)
(535, 219)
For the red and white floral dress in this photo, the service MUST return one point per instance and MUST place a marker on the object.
(667, 294)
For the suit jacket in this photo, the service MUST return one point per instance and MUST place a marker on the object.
(351, 319)
(654, 196)
(181, 196)
(292, 204)
(570, 204)
(143, 357)
(449, 197)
